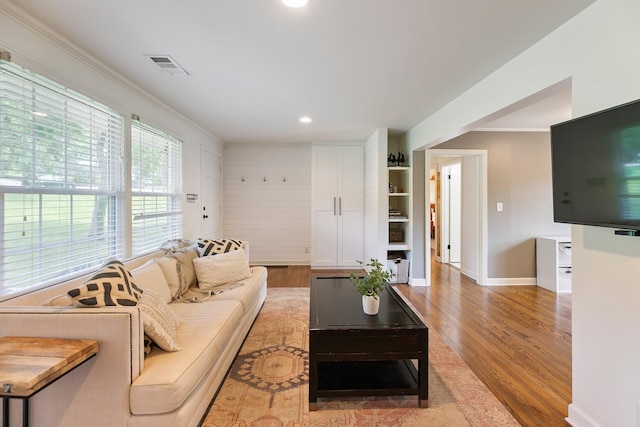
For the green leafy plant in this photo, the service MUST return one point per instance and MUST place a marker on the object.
(374, 279)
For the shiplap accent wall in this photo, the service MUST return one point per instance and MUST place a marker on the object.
(273, 215)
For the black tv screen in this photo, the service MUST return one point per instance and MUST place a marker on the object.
(596, 168)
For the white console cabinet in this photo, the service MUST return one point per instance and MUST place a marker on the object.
(553, 263)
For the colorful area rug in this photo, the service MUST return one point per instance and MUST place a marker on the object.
(267, 385)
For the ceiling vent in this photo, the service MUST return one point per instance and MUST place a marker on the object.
(168, 65)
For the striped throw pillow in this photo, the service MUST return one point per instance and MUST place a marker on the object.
(208, 247)
(112, 285)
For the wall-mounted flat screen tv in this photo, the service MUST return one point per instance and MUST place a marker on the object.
(596, 168)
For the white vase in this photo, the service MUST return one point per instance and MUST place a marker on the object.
(370, 304)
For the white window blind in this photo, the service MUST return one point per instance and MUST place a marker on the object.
(156, 181)
(60, 180)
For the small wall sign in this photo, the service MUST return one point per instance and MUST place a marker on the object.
(192, 198)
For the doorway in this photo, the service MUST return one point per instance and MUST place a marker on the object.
(469, 199)
(451, 214)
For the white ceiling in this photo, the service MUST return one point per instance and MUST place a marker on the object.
(256, 66)
(537, 116)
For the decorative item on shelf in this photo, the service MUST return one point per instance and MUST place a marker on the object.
(391, 159)
(400, 159)
(399, 265)
(396, 214)
(371, 284)
(396, 236)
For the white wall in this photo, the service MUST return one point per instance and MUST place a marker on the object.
(420, 245)
(376, 204)
(598, 51)
(39, 49)
(470, 224)
(273, 215)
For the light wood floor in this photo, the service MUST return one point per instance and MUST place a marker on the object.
(516, 339)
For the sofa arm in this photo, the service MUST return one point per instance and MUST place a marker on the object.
(98, 390)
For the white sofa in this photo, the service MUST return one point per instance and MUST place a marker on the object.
(120, 387)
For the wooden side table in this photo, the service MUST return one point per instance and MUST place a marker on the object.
(28, 364)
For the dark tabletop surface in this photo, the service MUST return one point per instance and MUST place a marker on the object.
(335, 304)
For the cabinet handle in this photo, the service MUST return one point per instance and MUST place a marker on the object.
(334, 206)
(340, 206)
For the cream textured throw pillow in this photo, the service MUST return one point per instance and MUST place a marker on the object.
(169, 267)
(159, 321)
(63, 300)
(223, 268)
(150, 276)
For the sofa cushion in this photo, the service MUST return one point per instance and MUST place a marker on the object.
(150, 276)
(169, 377)
(159, 321)
(249, 290)
(208, 247)
(112, 285)
(213, 271)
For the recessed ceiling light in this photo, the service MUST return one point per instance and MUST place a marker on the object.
(305, 119)
(295, 3)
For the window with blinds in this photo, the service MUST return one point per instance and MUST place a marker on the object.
(156, 187)
(61, 186)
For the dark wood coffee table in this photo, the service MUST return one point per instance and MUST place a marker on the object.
(354, 354)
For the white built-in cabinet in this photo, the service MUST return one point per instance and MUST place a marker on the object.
(553, 263)
(337, 206)
(399, 196)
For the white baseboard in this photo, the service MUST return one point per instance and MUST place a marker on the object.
(578, 418)
(278, 263)
(418, 282)
(470, 274)
(511, 281)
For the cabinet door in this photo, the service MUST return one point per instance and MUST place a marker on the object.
(324, 207)
(351, 208)
(337, 203)
(325, 180)
(324, 241)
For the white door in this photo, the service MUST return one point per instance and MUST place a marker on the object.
(211, 204)
(451, 213)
